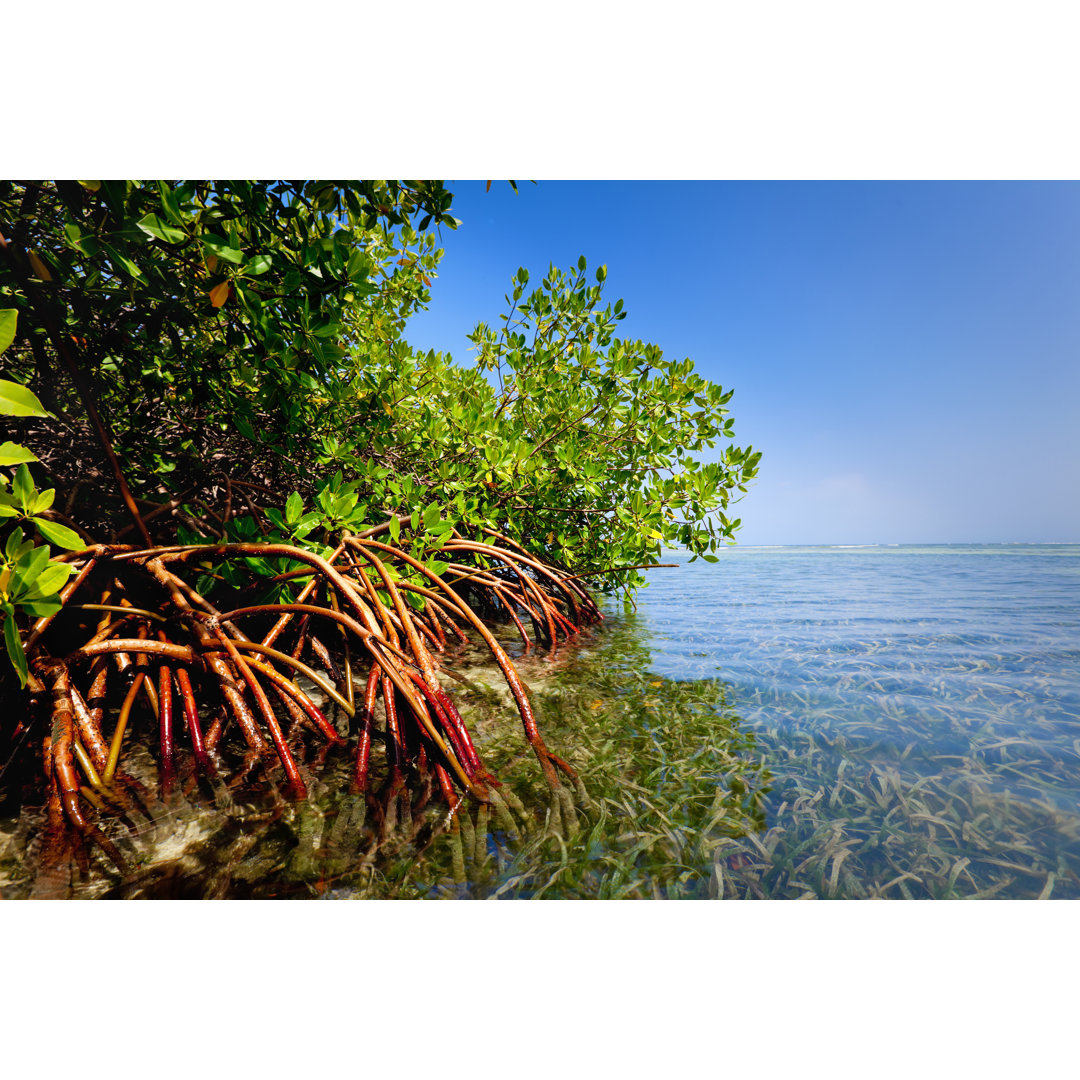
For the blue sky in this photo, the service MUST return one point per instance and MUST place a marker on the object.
(905, 355)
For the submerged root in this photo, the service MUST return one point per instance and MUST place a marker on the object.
(240, 666)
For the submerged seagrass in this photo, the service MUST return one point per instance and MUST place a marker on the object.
(918, 709)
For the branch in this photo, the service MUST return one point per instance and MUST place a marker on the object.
(568, 424)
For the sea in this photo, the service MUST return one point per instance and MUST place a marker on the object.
(915, 710)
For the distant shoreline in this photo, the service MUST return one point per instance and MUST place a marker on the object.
(728, 549)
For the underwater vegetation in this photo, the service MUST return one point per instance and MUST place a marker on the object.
(851, 817)
(665, 774)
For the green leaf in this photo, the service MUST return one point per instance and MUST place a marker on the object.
(395, 529)
(49, 582)
(11, 454)
(169, 203)
(259, 264)
(358, 266)
(9, 317)
(123, 261)
(48, 605)
(60, 535)
(16, 400)
(23, 488)
(31, 562)
(13, 549)
(85, 243)
(14, 645)
(152, 225)
(43, 501)
(26, 571)
(431, 516)
(219, 247)
(294, 507)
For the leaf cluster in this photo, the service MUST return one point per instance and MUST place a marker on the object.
(199, 309)
(29, 581)
(581, 445)
(224, 325)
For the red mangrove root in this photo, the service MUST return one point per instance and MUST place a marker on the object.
(243, 666)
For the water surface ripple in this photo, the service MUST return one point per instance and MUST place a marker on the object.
(955, 670)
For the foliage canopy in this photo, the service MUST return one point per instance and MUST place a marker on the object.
(257, 328)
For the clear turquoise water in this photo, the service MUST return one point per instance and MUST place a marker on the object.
(949, 676)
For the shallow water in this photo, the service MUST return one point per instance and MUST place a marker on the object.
(916, 706)
(785, 723)
(816, 723)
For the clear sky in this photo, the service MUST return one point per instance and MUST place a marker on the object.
(905, 355)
